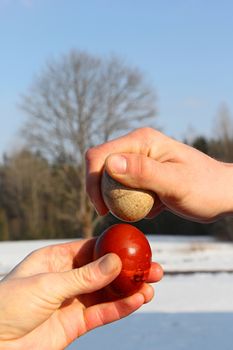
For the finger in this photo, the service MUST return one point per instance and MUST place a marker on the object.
(156, 273)
(101, 314)
(84, 255)
(55, 258)
(148, 292)
(140, 171)
(77, 253)
(86, 279)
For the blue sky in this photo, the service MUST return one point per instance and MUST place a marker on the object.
(183, 46)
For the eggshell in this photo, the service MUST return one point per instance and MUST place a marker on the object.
(126, 203)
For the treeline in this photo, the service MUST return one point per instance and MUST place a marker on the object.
(38, 200)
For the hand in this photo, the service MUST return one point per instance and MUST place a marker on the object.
(186, 181)
(54, 296)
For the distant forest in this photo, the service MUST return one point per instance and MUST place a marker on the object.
(79, 101)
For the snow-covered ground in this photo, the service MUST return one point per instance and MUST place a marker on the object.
(193, 306)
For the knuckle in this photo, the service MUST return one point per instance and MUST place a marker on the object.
(144, 130)
(94, 152)
(85, 277)
(145, 138)
(89, 155)
(147, 130)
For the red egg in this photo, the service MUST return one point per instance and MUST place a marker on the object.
(133, 248)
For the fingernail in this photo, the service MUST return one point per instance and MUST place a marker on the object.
(117, 164)
(108, 264)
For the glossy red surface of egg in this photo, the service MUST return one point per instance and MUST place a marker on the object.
(133, 248)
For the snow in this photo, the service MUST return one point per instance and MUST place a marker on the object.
(192, 308)
(193, 254)
(162, 331)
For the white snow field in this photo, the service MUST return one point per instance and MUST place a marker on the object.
(193, 304)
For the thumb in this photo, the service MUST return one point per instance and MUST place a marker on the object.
(86, 279)
(139, 171)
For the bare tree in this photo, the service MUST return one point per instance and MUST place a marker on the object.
(79, 101)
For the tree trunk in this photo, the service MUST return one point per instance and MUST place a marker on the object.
(4, 229)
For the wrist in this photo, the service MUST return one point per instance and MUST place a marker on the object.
(228, 189)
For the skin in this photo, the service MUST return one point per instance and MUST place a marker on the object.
(186, 181)
(54, 296)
